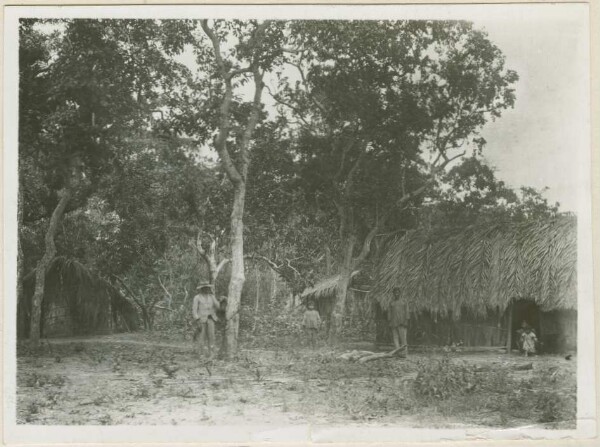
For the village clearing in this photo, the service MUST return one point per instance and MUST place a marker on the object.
(140, 380)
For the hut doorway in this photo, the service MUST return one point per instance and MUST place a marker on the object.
(524, 310)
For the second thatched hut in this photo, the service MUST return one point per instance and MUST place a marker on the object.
(77, 301)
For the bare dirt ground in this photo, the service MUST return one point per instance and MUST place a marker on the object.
(134, 379)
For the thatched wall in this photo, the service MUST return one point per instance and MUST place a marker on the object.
(428, 329)
(557, 330)
(76, 302)
(482, 268)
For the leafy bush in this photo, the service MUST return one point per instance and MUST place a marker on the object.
(550, 405)
(442, 379)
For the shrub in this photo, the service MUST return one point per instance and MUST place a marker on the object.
(36, 380)
(549, 404)
(442, 379)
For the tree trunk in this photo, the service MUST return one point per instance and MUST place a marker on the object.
(328, 262)
(44, 264)
(236, 283)
(510, 323)
(273, 286)
(339, 306)
(257, 297)
(20, 206)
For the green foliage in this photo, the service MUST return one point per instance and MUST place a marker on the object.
(444, 378)
(373, 121)
(470, 193)
(550, 406)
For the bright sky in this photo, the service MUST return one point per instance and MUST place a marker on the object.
(538, 142)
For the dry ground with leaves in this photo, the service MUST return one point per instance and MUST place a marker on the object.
(135, 379)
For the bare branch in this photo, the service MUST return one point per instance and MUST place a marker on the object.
(447, 161)
(288, 263)
(352, 173)
(129, 292)
(164, 308)
(252, 122)
(164, 288)
(220, 266)
(224, 118)
(216, 47)
(366, 247)
(291, 50)
(294, 109)
(239, 71)
(345, 151)
(314, 100)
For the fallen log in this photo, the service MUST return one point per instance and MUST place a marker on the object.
(519, 367)
(355, 355)
(380, 355)
(523, 367)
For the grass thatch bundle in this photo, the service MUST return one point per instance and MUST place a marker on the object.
(482, 267)
(322, 290)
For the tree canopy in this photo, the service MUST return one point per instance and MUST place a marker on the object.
(298, 145)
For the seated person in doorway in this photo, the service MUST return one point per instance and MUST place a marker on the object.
(311, 323)
(398, 319)
(204, 311)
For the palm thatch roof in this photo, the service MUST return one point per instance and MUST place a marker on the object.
(482, 267)
(91, 300)
(321, 290)
(326, 288)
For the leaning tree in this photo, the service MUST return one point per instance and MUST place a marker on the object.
(85, 87)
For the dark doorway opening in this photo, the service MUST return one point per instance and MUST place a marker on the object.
(524, 312)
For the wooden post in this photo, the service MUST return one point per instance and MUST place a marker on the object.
(509, 335)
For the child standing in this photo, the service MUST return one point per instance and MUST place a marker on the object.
(311, 323)
(528, 341)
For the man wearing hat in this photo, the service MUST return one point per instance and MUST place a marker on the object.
(204, 311)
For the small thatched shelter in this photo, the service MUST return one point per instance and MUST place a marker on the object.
(322, 294)
(76, 301)
(477, 284)
(358, 303)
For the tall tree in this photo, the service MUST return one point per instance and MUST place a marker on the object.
(382, 109)
(237, 53)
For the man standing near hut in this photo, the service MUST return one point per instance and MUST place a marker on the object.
(398, 318)
(204, 311)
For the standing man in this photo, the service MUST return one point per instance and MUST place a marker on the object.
(398, 318)
(204, 311)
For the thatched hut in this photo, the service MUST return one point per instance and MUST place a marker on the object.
(76, 301)
(322, 294)
(477, 285)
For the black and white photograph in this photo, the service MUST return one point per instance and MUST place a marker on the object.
(297, 223)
